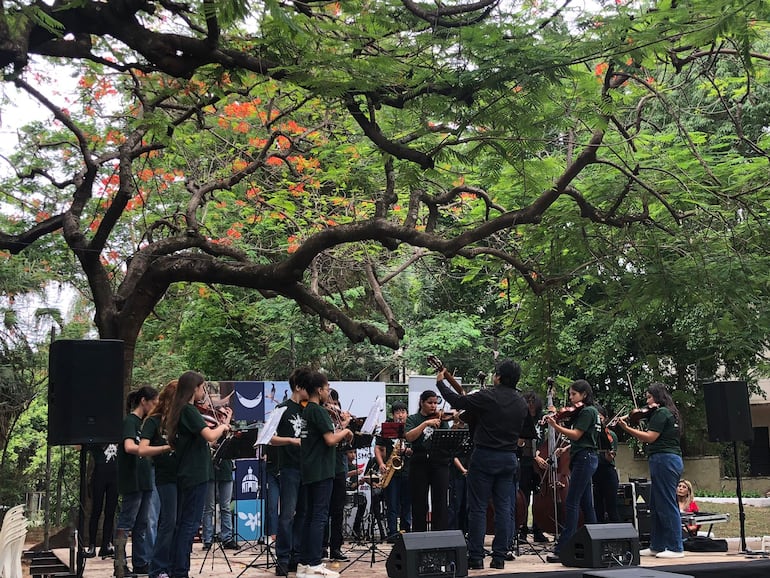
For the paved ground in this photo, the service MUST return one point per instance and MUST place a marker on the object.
(254, 562)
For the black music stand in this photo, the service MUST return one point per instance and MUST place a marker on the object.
(374, 520)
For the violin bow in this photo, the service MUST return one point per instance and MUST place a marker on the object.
(631, 387)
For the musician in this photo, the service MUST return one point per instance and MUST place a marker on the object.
(286, 441)
(104, 494)
(190, 437)
(333, 533)
(318, 458)
(219, 493)
(605, 477)
(529, 474)
(664, 457)
(154, 444)
(498, 415)
(429, 470)
(583, 432)
(398, 499)
(458, 484)
(687, 505)
(135, 486)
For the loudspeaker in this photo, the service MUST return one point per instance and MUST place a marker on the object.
(85, 392)
(728, 416)
(634, 573)
(626, 503)
(416, 554)
(602, 546)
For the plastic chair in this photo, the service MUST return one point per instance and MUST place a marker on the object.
(12, 537)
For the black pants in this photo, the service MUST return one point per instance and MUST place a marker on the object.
(428, 475)
(104, 496)
(336, 513)
(605, 481)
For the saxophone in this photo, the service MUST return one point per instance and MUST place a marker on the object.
(395, 462)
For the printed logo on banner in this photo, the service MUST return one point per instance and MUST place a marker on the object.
(248, 514)
(247, 403)
(248, 479)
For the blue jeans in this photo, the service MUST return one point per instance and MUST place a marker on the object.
(580, 494)
(220, 491)
(399, 503)
(161, 555)
(317, 498)
(665, 521)
(490, 474)
(134, 517)
(272, 495)
(190, 513)
(288, 539)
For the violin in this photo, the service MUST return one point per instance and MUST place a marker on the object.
(637, 415)
(443, 415)
(564, 414)
(213, 416)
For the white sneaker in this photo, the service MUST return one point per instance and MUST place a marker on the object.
(302, 570)
(669, 554)
(320, 570)
(648, 552)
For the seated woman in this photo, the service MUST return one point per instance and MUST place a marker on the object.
(687, 505)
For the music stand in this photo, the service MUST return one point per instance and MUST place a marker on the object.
(373, 520)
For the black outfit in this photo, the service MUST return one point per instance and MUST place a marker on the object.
(606, 481)
(529, 475)
(104, 494)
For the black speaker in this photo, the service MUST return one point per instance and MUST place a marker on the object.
(85, 392)
(626, 503)
(728, 416)
(416, 554)
(602, 546)
(634, 573)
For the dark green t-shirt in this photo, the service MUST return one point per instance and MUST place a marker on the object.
(134, 473)
(290, 426)
(587, 421)
(663, 422)
(192, 450)
(422, 445)
(166, 463)
(317, 458)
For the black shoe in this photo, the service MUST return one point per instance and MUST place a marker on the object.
(540, 538)
(230, 545)
(510, 556)
(523, 533)
(292, 566)
(141, 569)
(206, 546)
(392, 538)
(497, 563)
(553, 559)
(338, 556)
(90, 553)
(475, 564)
(281, 570)
(106, 551)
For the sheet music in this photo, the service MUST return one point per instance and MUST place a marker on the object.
(373, 419)
(270, 427)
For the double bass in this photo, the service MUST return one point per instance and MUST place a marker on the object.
(548, 503)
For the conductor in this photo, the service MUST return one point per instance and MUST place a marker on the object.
(499, 413)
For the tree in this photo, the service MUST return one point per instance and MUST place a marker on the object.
(320, 149)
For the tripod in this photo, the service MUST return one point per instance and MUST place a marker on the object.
(374, 521)
(216, 542)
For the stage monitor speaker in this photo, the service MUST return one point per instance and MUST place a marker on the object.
(633, 573)
(85, 392)
(602, 546)
(416, 554)
(728, 415)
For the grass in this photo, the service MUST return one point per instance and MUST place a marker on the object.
(757, 520)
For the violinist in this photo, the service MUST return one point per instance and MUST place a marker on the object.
(287, 465)
(333, 532)
(664, 457)
(318, 458)
(606, 476)
(498, 414)
(428, 470)
(582, 430)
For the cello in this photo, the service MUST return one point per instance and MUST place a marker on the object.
(548, 503)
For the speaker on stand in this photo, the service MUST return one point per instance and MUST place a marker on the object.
(85, 406)
(728, 418)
